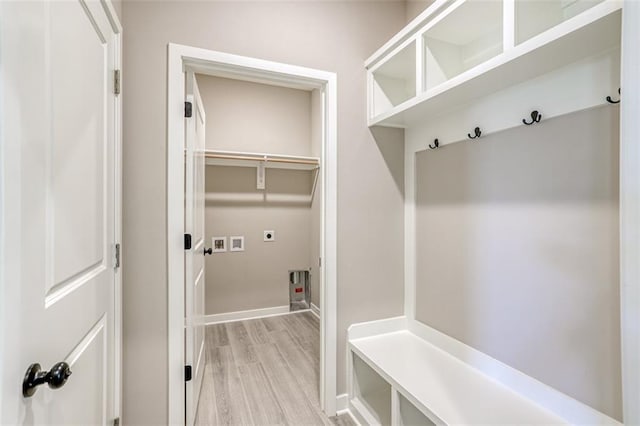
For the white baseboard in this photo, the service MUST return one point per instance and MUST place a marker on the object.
(373, 328)
(342, 407)
(342, 402)
(245, 315)
(315, 310)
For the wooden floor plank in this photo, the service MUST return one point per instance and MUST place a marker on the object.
(265, 409)
(258, 332)
(206, 414)
(298, 363)
(274, 323)
(264, 371)
(217, 335)
(230, 403)
(298, 409)
(241, 345)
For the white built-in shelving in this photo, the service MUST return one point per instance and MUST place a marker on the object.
(402, 372)
(459, 51)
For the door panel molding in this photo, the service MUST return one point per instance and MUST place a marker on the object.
(65, 288)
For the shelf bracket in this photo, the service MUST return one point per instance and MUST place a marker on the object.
(260, 174)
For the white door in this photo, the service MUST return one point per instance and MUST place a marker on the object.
(194, 258)
(57, 205)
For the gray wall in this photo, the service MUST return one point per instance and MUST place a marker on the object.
(251, 117)
(334, 36)
(415, 8)
(517, 251)
(117, 6)
(256, 278)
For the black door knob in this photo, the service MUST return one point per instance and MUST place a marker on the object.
(208, 251)
(34, 377)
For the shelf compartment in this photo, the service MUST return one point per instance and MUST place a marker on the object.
(394, 81)
(410, 415)
(588, 34)
(469, 35)
(372, 394)
(535, 17)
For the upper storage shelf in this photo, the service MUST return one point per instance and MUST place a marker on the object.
(253, 159)
(457, 51)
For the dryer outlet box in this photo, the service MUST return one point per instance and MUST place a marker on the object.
(269, 236)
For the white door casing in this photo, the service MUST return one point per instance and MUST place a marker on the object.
(59, 188)
(182, 59)
(194, 258)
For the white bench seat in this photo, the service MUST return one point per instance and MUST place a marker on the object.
(444, 388)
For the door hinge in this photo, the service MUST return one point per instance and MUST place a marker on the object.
(188, 109)
(187, 241)
(187, 373)
(116, 421)
(116, 82)
(116, 256)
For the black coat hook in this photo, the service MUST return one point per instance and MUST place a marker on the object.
(535, 118)
(611, 101)
(477, 133)
(435, 145)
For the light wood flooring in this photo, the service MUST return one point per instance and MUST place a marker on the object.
(264, 372)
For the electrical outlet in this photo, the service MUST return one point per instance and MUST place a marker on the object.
(269, 236)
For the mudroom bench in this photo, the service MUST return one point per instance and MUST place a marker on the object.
(402, 372)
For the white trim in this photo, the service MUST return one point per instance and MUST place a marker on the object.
(361, 414)
(245, 315)
(349, 413)
(411, 146)
(314, 310)
(630, 212)
(175, 237)
(116, 26)
(210, 62)
(342, 403)
(377, 327)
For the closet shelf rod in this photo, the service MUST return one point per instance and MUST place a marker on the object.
(264, 158)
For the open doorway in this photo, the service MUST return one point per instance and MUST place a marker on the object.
(262, 198)
(262, 228)
(319, 183)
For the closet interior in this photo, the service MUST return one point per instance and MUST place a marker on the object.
(262, 204)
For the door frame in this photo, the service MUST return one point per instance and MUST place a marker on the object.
(181, 58)
(629, 213)
(114, 20)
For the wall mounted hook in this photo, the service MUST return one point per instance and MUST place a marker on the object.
(477, 133)
(535, 118)
(435, 145)
(611, 101)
